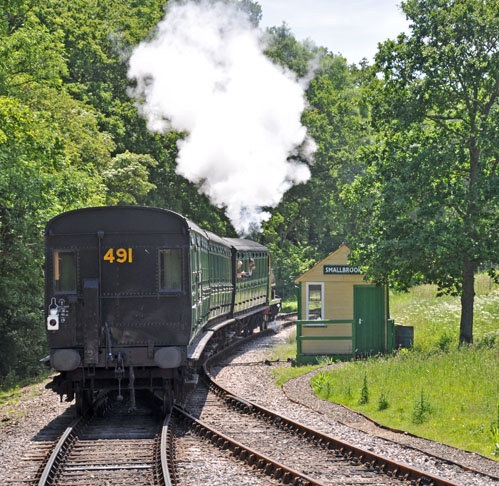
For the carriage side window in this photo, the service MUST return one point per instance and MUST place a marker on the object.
(64, 271)
(170, 270)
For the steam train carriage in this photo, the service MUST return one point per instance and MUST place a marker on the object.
(132, 294)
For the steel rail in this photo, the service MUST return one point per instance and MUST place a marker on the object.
(377, 462)
(166, 451)
(250, 456)
(64, 442)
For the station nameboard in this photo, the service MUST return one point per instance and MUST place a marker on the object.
(341, 269)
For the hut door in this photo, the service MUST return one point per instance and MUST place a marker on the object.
(369, 319)
(315, 301)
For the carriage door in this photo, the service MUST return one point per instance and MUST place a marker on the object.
(196, 289)
(315, 301)
(369, 319)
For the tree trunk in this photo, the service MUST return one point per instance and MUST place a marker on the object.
(472, 237)
(467, 302)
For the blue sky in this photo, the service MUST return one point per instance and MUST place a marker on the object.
(352, 28)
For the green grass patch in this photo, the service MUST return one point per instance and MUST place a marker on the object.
(9, 410)
(436, 319)
(436, 390)
(282, 375)
(9, 397)
(289, 306)
(449, 397)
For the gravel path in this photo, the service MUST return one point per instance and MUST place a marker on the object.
(36, 417)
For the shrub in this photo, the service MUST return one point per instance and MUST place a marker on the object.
(421, 410)
(364, 392)
(382, 402)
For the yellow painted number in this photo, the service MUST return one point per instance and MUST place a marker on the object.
(119, 255)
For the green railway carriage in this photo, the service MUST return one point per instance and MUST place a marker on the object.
(211, 280)
(130, 288)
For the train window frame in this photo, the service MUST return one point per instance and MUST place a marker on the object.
(58, 267)
(162, 252)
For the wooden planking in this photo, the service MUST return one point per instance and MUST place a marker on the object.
(325, 348)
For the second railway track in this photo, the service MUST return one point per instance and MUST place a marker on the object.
(288, 451)
(245, 377)
(119, 447)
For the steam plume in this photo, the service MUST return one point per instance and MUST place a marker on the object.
(204, 72)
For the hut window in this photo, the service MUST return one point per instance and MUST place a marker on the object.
(314, 301)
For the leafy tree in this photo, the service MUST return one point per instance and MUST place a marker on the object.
(283, 48)
(127, 178)
(339, 125)
(30, 55)
(428, 206)
(49, 148)
(312, 221)
(253, 9)
(98, 37)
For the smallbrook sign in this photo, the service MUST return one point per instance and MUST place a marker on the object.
(341, 269)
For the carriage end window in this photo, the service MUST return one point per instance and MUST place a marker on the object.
(64, 271)
(170, 270)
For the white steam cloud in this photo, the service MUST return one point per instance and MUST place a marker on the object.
(204, 72)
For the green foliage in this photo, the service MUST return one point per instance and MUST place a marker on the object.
(31, 55)
(322, 383)
(364, 392)
(289, 306)
(284, 49)
(289, 262)
(383, 402)
(127, 178)
(422, 409)
(253, 9)
(427, 205)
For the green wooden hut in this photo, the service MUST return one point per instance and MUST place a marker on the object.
(340, 314)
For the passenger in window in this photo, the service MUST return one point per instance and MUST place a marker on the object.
(251, 269)
(239, 272)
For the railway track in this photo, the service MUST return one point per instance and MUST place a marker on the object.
(246, 373)
(286, 450)
(117, 447)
